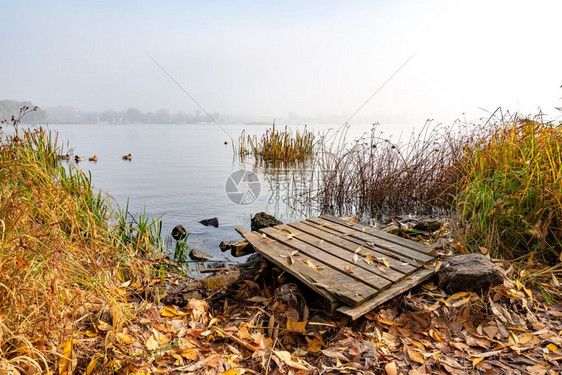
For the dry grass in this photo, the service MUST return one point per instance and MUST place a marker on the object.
(65, 272)
(510, 197)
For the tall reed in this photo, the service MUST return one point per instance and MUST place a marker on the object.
(278, 147)
(375, 176)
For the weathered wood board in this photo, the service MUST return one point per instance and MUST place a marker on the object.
(344, 261)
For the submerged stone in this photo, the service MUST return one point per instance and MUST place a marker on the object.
(214, 222)
(198, 255)
(179, 232)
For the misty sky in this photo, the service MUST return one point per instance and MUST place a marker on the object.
(272, 58)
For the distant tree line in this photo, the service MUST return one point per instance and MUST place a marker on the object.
(9, 108)
(131, 115)
(67, 114)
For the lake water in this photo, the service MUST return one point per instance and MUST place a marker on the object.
(179, 172)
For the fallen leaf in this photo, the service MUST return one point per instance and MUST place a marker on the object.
(348, 268)
(311, 265)
(171, 312)
(390, 368)
(68, 361)
(259, 299)
(93, 363)
(554, 282)
(314, 345)
(244, 334)
(384, 261)
(190, 354)
(286, 358)
(476, 361)
(335, 354)
(234, 371)
(151, 343)
(124, 338)
(297, 327)
(103, 326)
(416, 356)
(437, 266)
(461, 302)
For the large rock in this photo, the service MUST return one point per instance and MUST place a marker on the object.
(263, 220)
(473, 272)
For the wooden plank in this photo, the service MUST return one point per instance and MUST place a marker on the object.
(407, 283)
(381, 234)
(325, 254)
(345, 249)
(326, 281)
(370, 235)
(387, 248)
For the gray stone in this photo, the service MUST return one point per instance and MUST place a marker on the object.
(472, 272)
(263, 220)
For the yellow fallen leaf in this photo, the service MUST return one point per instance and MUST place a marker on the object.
(384, 261)
(124, 338)
(461, 302)
(297, 327)
(234, 371)
(418, 344)
(416, 356)
(311, 265)
(190, 354)
(476, 361)
(437, 266)
(103, 326)
(386, 321)
(93, 363)
(457, 296)
(433, 333)
(171, 312)
(68, 361)
(90, 333)
(553, 348)
(348, 268)
(314, 345)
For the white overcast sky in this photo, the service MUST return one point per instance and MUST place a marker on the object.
(271, 58)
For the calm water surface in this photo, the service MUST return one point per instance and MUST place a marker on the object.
(179, 172)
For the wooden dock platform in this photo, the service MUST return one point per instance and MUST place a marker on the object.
(347, 263)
